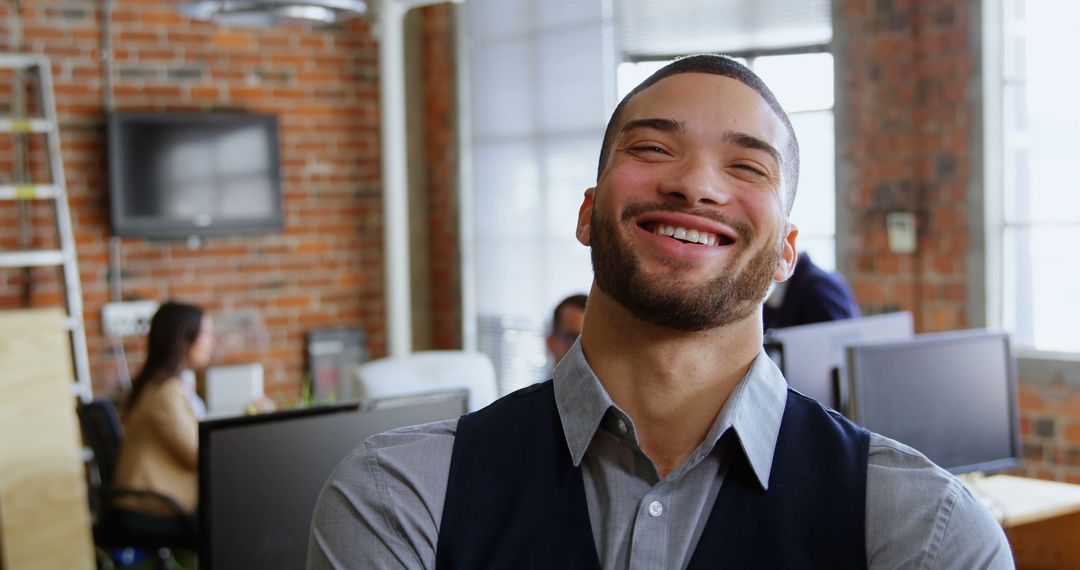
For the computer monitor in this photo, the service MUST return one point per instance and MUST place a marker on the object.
(809, 355)
(951, 396)
(231, 389)
(259, 476)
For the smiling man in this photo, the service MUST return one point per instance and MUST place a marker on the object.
(666, 439)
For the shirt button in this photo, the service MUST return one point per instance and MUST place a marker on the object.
(655, 509)
(621, 425)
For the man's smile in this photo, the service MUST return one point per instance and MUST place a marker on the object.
(681, 233)
(686, 235)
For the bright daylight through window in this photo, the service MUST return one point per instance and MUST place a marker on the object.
(1040, 210)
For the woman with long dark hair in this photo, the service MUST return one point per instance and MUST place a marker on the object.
(160, 450)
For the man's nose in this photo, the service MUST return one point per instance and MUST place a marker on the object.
(696, 181)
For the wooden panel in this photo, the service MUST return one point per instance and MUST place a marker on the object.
(46, 521)
(1041, 518)
(1048, 543)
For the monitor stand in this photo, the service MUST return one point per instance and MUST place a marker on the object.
(839, 393)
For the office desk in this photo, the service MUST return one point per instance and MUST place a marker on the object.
(1041, 518)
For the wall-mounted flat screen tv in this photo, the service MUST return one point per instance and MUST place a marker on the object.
(177, 175)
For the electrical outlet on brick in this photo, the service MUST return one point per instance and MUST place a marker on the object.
(127, 318)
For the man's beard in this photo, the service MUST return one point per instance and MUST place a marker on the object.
(669, 300)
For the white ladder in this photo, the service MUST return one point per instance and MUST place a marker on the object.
(55, 190)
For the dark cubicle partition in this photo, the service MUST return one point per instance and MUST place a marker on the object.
(950, 395)
(259, 476)
(809, 355)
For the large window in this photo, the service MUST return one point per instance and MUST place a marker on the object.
(1036, 211)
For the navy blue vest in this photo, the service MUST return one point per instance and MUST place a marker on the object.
(515, 499)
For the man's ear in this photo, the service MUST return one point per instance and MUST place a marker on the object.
(789, 254)
(584, 217)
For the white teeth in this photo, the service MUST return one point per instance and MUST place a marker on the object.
(683, 234)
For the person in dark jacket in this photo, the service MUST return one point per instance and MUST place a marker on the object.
(810, 295)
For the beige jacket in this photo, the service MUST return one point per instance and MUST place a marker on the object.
(160, 449)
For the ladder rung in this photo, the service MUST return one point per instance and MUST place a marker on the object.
(39, 258)
(28, 191)
(21, 125)
(21, 60)
(72, 323)
(78, 390)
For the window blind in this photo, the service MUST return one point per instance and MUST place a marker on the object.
(648, 27)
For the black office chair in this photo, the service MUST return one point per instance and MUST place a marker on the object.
(116, 528)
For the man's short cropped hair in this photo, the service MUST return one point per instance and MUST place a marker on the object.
(714, 64)
(571, 301)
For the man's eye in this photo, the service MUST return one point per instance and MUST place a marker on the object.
(751, 169)
(648, 148)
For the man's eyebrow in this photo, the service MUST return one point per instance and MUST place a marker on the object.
(750, 141)
(657, 124)
(738, 138)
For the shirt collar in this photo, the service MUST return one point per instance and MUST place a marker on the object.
(753, 410)
(756, 407)
(581, 400)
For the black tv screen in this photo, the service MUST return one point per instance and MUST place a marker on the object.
(176, 175)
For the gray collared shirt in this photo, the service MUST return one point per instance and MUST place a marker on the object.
(382, 506)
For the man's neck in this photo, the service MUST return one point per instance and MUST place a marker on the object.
(671, 383)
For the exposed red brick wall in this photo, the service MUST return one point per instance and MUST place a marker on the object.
(905, 75)
(1050, 418)
(324, 270)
